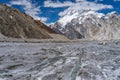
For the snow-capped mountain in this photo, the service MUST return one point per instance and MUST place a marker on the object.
(77, 24)
(80, 15)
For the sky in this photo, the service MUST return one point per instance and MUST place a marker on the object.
(49, 11)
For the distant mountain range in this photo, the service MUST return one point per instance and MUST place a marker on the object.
(87, 24)
(76, 24)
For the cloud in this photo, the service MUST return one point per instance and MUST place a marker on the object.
(44, 19)
(30, 8)
(79, 0)
(116, 0)
(98, 0)
(85, 5)
(77, 5)
(57, 4)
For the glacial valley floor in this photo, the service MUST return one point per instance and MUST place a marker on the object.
(60, 61)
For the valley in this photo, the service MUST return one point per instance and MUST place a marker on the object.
(81, 45)
(83, 60)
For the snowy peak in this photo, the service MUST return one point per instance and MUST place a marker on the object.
(112, 13)
(89, 13)
(89, 25)
(80, 15)
(68, 17)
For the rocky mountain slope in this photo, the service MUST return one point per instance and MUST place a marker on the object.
(89, 24)
(16, 24)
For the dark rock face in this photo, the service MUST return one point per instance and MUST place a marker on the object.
(16, 24)
(68, 31)
(71, 33)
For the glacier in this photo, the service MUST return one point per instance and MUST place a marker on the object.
(83, 60)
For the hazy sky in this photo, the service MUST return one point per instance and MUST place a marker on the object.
(50, 10)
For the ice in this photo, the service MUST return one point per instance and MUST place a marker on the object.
(84, 60)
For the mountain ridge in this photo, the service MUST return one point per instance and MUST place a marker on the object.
(89, 25)
(16, 24)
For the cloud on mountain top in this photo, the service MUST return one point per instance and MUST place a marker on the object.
(77, 5)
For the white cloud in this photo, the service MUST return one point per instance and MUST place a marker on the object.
(44, 19)
(116, 0)
(79, 0)
(57, 4)
(78, 5)
(30, 8)
(98, 0)
(85, 5)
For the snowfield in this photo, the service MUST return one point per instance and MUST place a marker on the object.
(85, 60)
